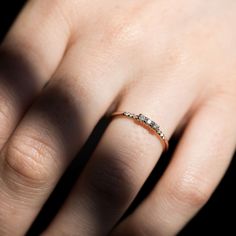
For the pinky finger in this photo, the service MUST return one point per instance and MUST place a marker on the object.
(200, 161)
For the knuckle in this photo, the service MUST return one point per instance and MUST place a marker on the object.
(29, 158)
(111, 180)
(190, 190)
(63, 13)
(124, 32)
(125, 27)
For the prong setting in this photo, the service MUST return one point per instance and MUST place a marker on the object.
(130, 115)
(153, 125)
(147, 122)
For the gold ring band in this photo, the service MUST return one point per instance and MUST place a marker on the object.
(148, 123)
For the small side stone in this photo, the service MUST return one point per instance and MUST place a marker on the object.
(149, 122)
(141, 117)
(159, 132)
(155, 126)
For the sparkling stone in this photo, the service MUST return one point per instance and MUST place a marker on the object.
(152, 124)
(129, 114)
(141, 117)
(155, 126)
(149, 122)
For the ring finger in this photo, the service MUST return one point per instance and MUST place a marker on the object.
(121, 163)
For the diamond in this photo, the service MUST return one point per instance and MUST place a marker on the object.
(155, 126)
(152, 124)
(159, 132)
(147, 122)
(141, 117)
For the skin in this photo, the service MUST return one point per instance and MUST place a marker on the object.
(67, 63)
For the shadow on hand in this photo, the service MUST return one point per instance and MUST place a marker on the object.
(17, 77)
(66, 183)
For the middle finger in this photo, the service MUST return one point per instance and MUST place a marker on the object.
(51, 134)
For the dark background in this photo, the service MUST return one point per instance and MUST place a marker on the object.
(216, 218)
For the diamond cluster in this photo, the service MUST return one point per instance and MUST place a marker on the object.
(151, 124)
(130, 115)
(147, 121)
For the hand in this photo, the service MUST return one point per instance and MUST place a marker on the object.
(174, 62)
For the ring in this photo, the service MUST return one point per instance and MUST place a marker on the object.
(148, 123)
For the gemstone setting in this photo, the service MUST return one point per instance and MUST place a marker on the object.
(130, 115)
(141, 117)
(146, 122)
(153, 125)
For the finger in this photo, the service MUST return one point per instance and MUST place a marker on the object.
(52, 132)
(198, 165)
(121, 163)
(29, 56)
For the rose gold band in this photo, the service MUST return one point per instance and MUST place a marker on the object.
(148, 123)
